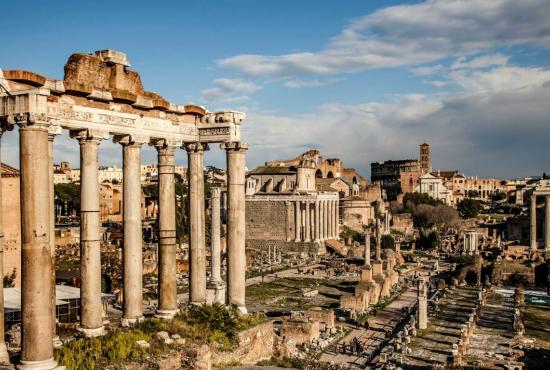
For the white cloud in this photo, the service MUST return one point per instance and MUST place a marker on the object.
(412, 34)
(229, 90)
(437, 83)
(428, 70)
(501, 79)
(480, 62)
(298, 84)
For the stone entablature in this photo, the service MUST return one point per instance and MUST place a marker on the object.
(115, 108)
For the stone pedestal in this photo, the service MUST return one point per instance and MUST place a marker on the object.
(236, 253)
(197, 249)
(167, 303)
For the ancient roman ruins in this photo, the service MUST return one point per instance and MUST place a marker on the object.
(100, 97)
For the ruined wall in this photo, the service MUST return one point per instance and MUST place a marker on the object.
(252, 345)
(266, 220)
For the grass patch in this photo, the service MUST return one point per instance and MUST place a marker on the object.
(537, 324)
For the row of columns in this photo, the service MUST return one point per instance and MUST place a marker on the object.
(315, 220)
(38, 238)
(533, 223)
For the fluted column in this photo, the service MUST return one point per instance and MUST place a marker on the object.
(298, 219)
(330, 219)
(326, 216)
(307, 234)
(167, 287)
(91, 309)
(4, 357)
(132, 229)
(547, 224)
(197, 248)
(336, 219)
(321, 220)
(316, 221)
(36, 267)
(533, 223)
(236, 252)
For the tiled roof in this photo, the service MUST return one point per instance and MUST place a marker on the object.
(9, 171)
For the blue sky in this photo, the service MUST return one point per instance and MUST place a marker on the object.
(360, 80)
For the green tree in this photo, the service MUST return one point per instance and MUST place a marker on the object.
(387, 242)
(469, 208)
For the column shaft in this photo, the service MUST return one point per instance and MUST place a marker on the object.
(216, 259)
(91, 312)
(308, 223)
(36, 267)
(52, 227)
(326, 216)
(197, 249)
(4, 358)
(133, 239)
(316, 221)
(298, 219)
(533, 222)
(322, 220)
(168, 304)
(336, 219)
(367, 249)
(236, 252)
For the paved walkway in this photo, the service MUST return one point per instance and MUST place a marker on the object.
(384, 320)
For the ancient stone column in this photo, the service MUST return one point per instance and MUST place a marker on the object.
(308, 223)
(36, 266)
(167, 287)
(132, 229)
(331, 218)
(378, 242)
(197, 248)
(321, 220)
(367, 249)
(336, 219)
(4, 357)
(289, 206)
(547, 224)
(236, 253)
(216, 258)
(326, 216)
(298, 219)
(316, 222)
(422, 311)
(53, 131)
(91, 309)
(533, 223)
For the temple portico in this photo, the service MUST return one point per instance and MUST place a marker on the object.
(99, 98)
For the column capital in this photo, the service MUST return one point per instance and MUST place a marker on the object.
(195, 147)
(89, 135)
(130, 140)
(53, 130)
(165, 143)
(237, 146)
(24, 120)
(215, 193)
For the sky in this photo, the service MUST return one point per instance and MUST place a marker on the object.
(359, 80)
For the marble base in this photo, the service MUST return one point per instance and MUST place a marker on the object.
(90, 333)
(49, 364)
(128, 323)
(166, 314)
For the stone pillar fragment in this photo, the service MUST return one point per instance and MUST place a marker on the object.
(326, 216)
(167, 271)
(367, 249)
(197, 249)
(132, 229)
(422, 311)
(91, 309)
(378, 241)
(36, 267)
(236, 253)
(533, 223)
(322, 220)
